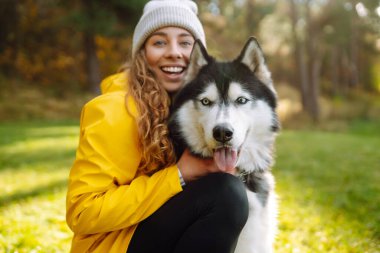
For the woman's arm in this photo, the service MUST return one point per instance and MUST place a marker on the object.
(105, 193)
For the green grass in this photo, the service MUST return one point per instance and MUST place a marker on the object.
(328, 185)
(34, 164)
(329, 189)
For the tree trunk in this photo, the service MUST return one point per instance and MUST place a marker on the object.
(10, 36)
(249, 21)
(334, 67)
(299, 53)
(354, 73)
(92, 65)
(314, 62)
(314, 89)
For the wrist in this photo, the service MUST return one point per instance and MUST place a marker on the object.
(181, 179)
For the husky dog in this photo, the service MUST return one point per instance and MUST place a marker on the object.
(233, 105)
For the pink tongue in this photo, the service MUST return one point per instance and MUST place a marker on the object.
(225, 158)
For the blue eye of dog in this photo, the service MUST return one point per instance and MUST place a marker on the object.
(241, 100)
(206, 102)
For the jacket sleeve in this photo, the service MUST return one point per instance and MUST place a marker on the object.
(105, 194)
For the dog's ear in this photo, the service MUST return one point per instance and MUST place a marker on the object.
(198, 58)
(253, 57)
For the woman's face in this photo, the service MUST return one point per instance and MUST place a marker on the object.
(167, 53)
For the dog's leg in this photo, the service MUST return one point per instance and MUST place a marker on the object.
(259, 232)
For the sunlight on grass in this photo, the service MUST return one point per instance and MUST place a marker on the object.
(39, 145)
(34, 169)
(328, 185)
(36, 225)
(329, 192)
(30, 180)
(37, 155)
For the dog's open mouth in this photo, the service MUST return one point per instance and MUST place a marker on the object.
(226, 157)
(226, 147)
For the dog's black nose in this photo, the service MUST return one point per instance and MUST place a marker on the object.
(223, 133)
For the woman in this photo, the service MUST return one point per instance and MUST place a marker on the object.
(127, 192)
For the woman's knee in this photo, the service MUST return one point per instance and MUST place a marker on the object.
(232, 194)
(228, 196)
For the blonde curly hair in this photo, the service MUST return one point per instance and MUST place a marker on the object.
(153, 103)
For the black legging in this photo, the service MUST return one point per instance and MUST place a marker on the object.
(206, 217)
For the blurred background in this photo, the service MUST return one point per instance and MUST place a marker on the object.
(324, 56)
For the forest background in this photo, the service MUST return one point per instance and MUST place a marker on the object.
(324, 56)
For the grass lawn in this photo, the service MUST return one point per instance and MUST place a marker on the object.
(329, 190)
(328, 185)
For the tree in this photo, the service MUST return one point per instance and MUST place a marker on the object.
(299, 56)
(331, 47)
(9, 20)
(56, 43)
(96, 17)
(308, 58)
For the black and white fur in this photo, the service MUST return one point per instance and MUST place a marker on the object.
(233, 104)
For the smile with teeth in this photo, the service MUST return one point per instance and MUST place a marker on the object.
(173, 70)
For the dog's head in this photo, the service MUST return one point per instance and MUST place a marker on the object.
(227, 105)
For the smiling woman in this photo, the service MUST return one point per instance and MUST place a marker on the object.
(167, 52)
(126, 185)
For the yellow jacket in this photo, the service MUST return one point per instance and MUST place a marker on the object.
(107, 196)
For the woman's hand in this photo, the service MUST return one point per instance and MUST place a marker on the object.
(193, 167)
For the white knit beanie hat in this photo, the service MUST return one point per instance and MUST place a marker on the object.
(161, 13)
